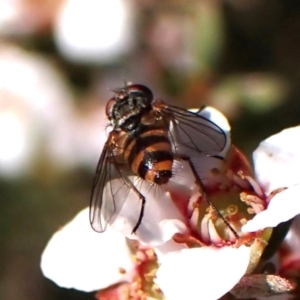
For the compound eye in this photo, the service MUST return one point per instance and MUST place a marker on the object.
(109, 106)
(140, 90)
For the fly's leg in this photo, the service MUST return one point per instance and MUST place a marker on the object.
(139, 221)
(200, 185)
(143, 202)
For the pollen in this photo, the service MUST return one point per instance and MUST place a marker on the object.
(250, 211)
(156, 289)
(243, 221)
(150, 254)
(256, 204)
(122, 271)
(215, 172)
(232, 210)
(150, 276)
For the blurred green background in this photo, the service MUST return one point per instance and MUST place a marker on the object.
(59, 61)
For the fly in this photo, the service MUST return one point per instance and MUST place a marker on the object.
(147, 137)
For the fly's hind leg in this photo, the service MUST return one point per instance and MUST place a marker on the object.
(201, 186)
(143, 202)
(139, 221)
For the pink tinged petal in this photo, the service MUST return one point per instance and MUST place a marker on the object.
(202, 273)
(283, 207)
(219, 119)
(78, 257)
(171, 246)
(277, 160)
(290, 256)
(171, 227)
(183, 180)
(161, 218)
(292, 239)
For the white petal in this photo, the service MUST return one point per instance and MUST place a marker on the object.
(161, 219)
(292, 238)
(77, 257)
(202, 273)
(284, 206)
(277, 160)
(290, 258)
(219, 119)
(183, 180)
(95, 30)
(170, 227)
(36, 105)
(171, 246)
(202, 163)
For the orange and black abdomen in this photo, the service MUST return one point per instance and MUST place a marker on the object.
(150, 155)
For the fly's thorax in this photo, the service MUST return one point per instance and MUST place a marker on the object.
(126, 113)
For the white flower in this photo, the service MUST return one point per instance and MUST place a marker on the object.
(38, 118)
(195, 250)
(291, 256)
(36, 109)
(202, 273)
(22, 17)
(276, 162)
(161, 219)
(78, 257)
(95, 31)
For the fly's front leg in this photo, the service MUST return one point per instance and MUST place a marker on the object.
(201, 187)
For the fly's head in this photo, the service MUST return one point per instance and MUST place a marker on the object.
(128, 106)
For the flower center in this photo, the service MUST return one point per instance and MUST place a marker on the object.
(223, 225)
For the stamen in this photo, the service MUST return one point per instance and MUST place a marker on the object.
(257, 208)
(255, 186)
(240, 181)
(250, 211)
(156, 289)
(243, 221)
(189, 240)
(257, 204)
(150, 254)
(204, 231)
(232, 210)
(125, 292)
(194, 220)
(193, 202)
(150, 276)
(231, 237)
(213, 234)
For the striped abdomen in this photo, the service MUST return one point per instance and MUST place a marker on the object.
(150, 156)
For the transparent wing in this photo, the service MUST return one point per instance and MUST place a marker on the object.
(111, 188)
(195, 136)
(190, 132)
(103, 175)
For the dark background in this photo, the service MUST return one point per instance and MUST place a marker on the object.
(239, 56)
